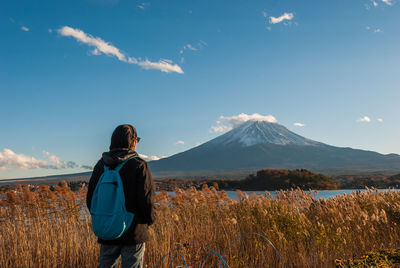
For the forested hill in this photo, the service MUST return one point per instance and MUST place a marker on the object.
(276, 179)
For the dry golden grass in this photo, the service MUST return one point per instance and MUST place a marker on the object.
(52, 229)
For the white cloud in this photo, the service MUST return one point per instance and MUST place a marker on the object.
(368, 28)
(285, 16)
(388, 2)
(364, 119)
(162, 65)
(380, 120)
(102, 47)
(25, 29)
(9, 159)
(378, 31)
(180, 142)
(99, 44)
(299, 124)
(20, 161)
(220, 128)
(374, 3)
(151, 158)
(225, 123)
(50, 30)
(241, 118)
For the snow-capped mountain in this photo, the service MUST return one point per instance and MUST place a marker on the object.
(256, 145)
(256, 132)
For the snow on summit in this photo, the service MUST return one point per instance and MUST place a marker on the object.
(253, 132)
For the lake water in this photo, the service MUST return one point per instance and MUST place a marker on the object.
(326, 194)
(321, 194)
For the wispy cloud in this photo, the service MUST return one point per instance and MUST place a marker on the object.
(151, 158)
(192, 47)
(143, 5)
(376, 30)
(380, 120)
(264, 13)
(388, 2)
(180, 142)
(189, 46)
(225, 123)
(375, 3)
(297, 124)
(285, 16)
(102, 47)
(364, 119)
(163, 65)
(25, 29)
(220, 128)
(10, 159)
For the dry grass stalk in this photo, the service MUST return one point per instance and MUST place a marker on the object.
(48, 228)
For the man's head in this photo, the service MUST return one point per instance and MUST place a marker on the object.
(124, 137)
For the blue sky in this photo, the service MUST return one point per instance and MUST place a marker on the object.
(71, 71)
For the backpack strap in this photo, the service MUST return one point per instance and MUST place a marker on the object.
(118, 168)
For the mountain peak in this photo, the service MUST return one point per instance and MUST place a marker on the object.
(254, 132)
(260, 144)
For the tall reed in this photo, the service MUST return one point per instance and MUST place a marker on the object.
(46, 228)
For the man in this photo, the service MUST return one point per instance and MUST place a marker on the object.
(139, 193)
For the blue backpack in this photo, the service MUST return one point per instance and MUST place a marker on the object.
(110, 219)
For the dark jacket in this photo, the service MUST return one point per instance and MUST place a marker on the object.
(139, 192)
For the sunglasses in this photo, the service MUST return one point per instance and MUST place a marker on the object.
(137, 139)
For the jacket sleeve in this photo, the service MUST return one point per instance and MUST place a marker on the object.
(94, 178)
(148, 193)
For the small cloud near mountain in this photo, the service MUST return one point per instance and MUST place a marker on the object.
(226, 123)
(364, 119)
(151, 157)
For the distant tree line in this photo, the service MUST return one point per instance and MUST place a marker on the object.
(380, 181)
(276, 179)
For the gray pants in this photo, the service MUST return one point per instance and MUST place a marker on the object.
(132, 256)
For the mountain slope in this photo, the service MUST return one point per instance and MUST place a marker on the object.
(255, 145)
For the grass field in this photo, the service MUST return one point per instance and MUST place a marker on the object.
(48, 228)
